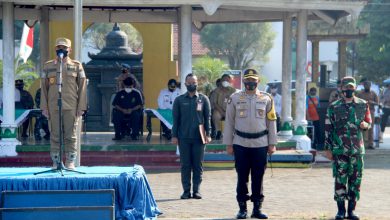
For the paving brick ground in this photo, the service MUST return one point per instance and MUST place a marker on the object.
(290, 193)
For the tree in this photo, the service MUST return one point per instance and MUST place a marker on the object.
(95, 36)
(373, 52)
(244, 44)
(208, 71)
(25, 71)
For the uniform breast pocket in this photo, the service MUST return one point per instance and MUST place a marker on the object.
(260, 110)
(242, 111)
(341, 114)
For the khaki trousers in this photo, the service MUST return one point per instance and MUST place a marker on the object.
(69, 124)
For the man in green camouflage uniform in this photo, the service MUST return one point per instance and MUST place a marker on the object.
(345, 121)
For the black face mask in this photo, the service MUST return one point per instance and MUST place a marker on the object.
(62, 51)
(171, 89)
(348, 93)
(250, 86)
(367, 90)
(191, 88)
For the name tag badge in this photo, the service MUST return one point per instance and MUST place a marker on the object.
(199, 107)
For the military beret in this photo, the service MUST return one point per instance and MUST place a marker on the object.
(63, 42)
(251, 73)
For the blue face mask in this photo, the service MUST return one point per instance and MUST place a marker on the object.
(63, 52)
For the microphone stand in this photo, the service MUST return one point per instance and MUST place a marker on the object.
(60, 164)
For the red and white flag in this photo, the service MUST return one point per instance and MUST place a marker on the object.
(27, 43)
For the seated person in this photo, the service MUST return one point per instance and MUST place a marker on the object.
(221, 96)
(41, 121)
(127, 109)
(26, 101)
(165, 101)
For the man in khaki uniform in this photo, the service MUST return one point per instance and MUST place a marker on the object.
(372, 99)
(221, 95)
(73, 100)
(250, 132)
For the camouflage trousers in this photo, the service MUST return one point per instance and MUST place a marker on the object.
(347, 171)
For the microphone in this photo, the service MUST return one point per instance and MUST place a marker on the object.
(61, 55)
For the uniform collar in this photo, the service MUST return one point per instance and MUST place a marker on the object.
(188, 94)
(354, 100)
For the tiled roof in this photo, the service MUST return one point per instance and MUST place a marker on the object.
(197, 47)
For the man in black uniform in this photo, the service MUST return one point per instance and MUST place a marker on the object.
(190, 112)
(26, 101)
(40, 120)
(127, 108)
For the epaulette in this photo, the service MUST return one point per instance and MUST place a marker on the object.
(76, 61)
(50, 61)
(359, 100)
(266, 94)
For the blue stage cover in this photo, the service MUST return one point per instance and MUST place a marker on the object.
(133, 196)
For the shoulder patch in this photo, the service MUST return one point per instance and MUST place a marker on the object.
(229, 100)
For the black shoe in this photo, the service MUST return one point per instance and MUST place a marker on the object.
(47, 137)
(351, 209)
(38, 138)
(218, 136)
(197, 195)
(24, 136)
(116, 138)
(185, 195)
(340, 210)
(242, 213)
(134, 137)
(256, 213)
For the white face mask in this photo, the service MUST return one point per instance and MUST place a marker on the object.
(225, 84)
(128, 90)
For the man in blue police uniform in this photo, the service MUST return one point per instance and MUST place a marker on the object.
(127, 108)
(250, 133)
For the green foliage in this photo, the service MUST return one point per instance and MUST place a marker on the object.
(25, 71)
(95, 36)
(373, 52)
(208, 71)
(244, 44)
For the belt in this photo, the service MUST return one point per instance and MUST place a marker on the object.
(251, 135)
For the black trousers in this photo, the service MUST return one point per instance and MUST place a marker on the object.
(385, 116)
(191, 160)
(120, 120)
(251, 161)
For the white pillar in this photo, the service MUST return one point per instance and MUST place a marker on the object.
(44, 36)
(185, 41)
(77, 47)
(300, 88)
(286, 77)
(8, 126)
(78, 28)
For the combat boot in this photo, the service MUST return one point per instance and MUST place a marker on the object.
(351, 209)
(340, 210)
(242, 213)
(257, 211)
(70, 160)
(55, 157)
